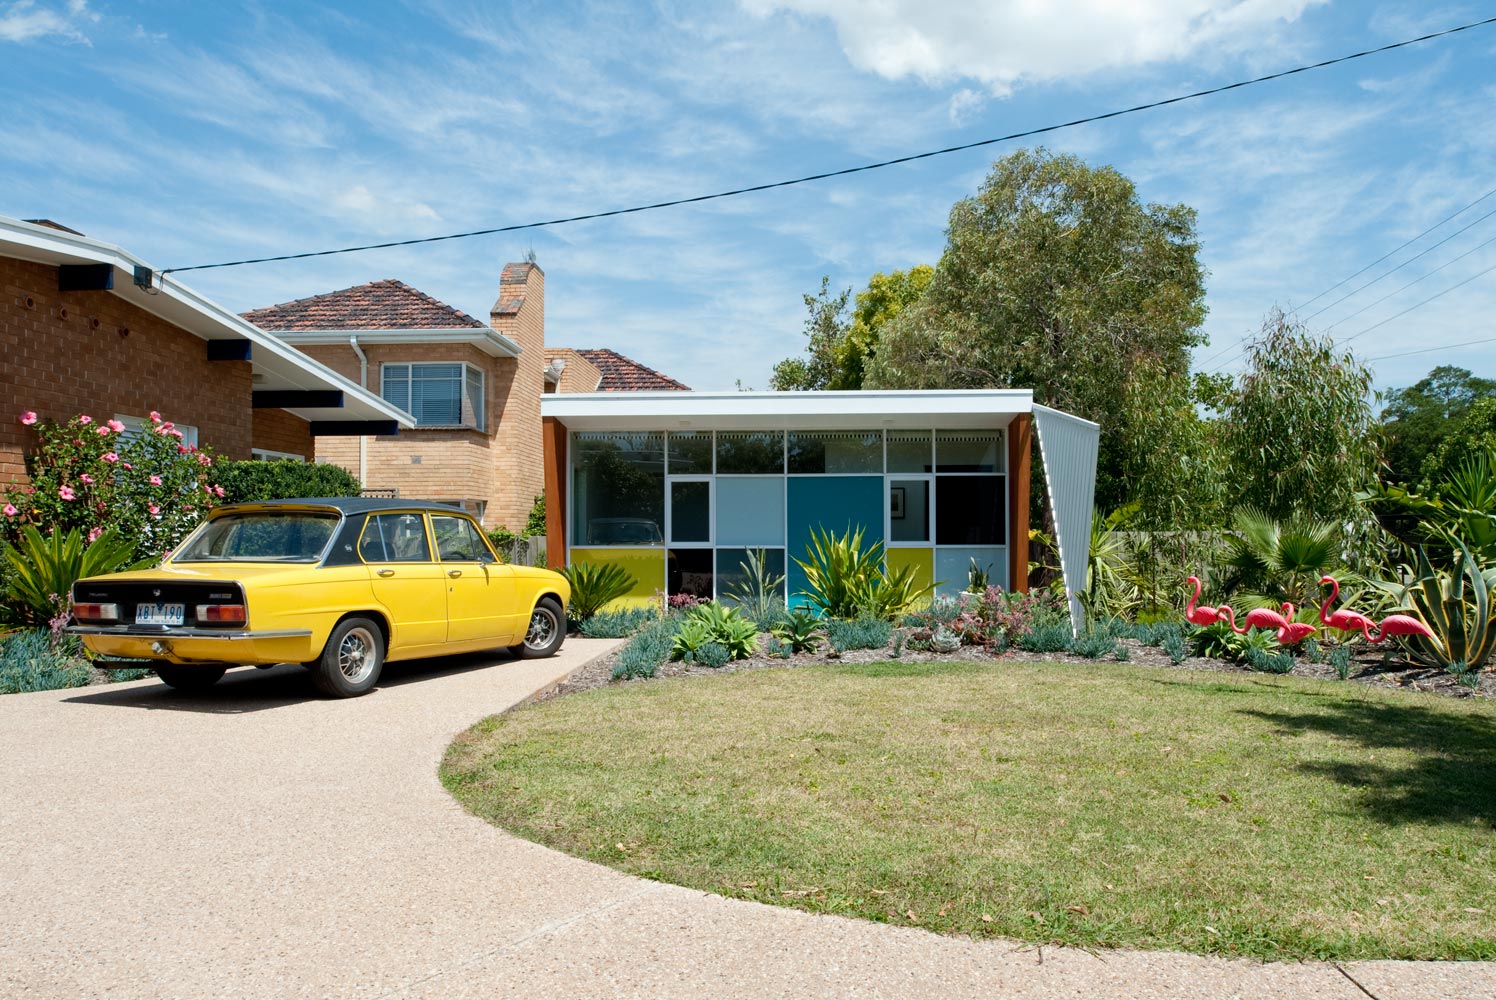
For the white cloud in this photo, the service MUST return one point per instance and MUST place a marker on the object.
(1000, 44)
(24, 21)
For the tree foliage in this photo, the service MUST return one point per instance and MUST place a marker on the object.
(1472, 434)
(840, 345)
(1300, 434)
(1056, 277)
(1418, 418)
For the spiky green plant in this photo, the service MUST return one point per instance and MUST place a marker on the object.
(799, 631)
(761, 591)
(847, 580)
(1110, 592)
(1273, 561)
(1456, 606)
(595, 585)
(43, 569)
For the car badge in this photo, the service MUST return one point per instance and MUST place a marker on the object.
(155, 593)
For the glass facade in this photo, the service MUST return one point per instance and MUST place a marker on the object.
(681, 510)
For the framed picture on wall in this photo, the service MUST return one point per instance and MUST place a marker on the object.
(896, 502)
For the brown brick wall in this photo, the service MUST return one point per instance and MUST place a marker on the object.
(516, 398)
(62, 353)
(579, 375)
(277, 430)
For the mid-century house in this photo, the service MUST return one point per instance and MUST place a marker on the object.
(86, 327)
(677, 487)
(473, 387)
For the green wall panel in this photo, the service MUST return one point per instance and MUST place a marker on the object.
(830, 503)
(647, 565)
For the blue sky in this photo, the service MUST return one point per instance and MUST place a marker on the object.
(191, 133)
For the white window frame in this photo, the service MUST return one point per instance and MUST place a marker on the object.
(135, 426)
(465, 400)
(266, 455)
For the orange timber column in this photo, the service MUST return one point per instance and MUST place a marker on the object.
(553, 446)
(1020, 452)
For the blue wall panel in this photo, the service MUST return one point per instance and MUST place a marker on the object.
(830, 503)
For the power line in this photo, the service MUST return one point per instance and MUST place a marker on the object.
(1430, 350)
(1404, 288)
(1239, 349)
(1419, 305)
(850, 170)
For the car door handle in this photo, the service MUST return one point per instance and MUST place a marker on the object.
(454, 572)
(386, 572)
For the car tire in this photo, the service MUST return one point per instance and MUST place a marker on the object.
(545, 632)
(188, 678)
(352, 659)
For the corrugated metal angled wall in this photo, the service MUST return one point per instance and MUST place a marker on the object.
(1068, 447)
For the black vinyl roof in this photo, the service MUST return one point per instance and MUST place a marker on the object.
(348, 505)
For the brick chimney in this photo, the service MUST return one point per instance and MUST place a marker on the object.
(519, 314)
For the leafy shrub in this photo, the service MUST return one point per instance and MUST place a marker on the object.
(508, 543)
(616, 624)
(689, 639)
(1269, 663)
(1219, 642)
(649, 648)
(1340, 659)
(799, 630)
(859, 633)
(285, 479)
(1049, 637)
(593, 586)
(711, 623)
(42, 571)
(1173, 646)
(847, 580)
(773, 616)
(36, 660)
(1093, 645)
(150, 488)
(713, 654)
(780, 649)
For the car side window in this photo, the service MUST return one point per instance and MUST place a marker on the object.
(457, 540)
(395, 538)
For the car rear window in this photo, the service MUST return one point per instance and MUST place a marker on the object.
(261, 536)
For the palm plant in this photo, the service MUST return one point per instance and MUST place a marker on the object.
(595, 585)
(1274, 561)
(43, 569)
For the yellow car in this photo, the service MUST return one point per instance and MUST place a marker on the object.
(340, 586)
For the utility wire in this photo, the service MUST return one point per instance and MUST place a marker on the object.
(1430, 350)
(1404, 288)
(852, 170)
(1419, 305)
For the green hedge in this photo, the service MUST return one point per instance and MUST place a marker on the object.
(243, 482)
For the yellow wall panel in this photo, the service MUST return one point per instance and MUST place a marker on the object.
(923, 561)
(646, 565)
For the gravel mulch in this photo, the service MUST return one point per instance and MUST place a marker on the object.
(1367, 667)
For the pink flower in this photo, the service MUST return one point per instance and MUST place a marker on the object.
(127, 465)
(102, 431)
(116, 426)
(204, 460)
(155, 417)
(110, 456)
(85, 419)
(175, 433)
(28, 418)
(66, 493)
(182, 449)
(218, 491)
(154, 509)
(155, 480)
(86, 478)
(93, 536)
(10, 510)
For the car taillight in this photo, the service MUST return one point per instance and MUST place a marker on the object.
(220, 614)
(96, 612)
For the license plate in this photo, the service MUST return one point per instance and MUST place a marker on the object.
(159, 614)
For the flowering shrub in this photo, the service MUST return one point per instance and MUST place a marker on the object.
(87, 474)
(991, 618)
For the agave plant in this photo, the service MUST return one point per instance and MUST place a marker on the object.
(847, 580)
(760, 591)
(1458, 509)
(1456, 605)
(595, 585)
(43, 569)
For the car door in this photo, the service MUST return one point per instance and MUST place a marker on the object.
(480, 589)
(406, 580)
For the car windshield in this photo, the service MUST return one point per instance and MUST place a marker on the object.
(261, 536)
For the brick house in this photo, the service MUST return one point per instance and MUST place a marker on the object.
(473, 387)
(87, 327)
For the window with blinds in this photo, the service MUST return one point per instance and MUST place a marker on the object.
(437, 394)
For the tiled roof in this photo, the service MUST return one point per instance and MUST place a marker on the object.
(379, 305)
(621, 374)
(52, 225)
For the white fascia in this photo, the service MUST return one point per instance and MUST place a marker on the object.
(490, 342)
(183, 307)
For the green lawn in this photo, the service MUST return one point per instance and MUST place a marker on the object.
(1097, 805)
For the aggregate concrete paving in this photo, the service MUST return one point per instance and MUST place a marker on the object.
(258, 841)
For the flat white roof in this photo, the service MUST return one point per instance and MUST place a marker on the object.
(861, 410)
(276, 365)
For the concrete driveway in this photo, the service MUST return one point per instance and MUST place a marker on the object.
(258, 841)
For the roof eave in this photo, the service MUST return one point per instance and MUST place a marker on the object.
(489, 341)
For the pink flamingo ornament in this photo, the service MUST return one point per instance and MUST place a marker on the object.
(1201, 615)
(1256, 618)
(1343, 619)
(1396, 625)
(1292, 633)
